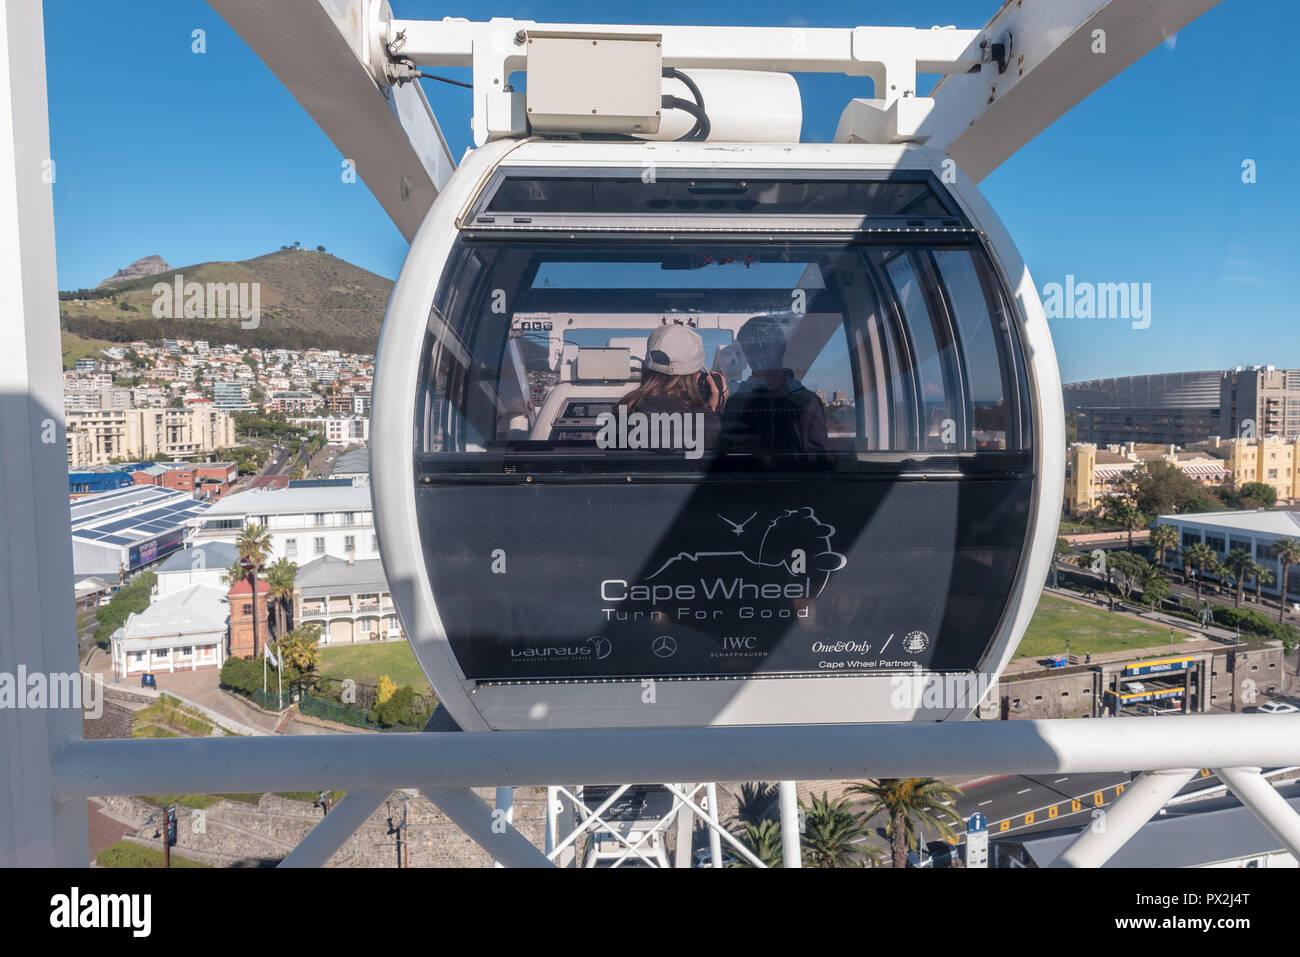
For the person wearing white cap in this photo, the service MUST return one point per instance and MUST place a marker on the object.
(673, 378)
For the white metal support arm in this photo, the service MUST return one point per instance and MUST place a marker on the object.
(321, 51)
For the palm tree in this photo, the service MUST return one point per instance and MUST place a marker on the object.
(1203, 559)
(833, 834)
(254, 548)
(764, 840)
(1238, 565)
(909, 802)
(1262, 577)
(280, 579)
(1288, 554)
(1163, 539)
(756, 802)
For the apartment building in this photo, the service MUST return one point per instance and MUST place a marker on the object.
(189, 433)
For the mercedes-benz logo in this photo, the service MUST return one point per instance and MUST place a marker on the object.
(664, 646)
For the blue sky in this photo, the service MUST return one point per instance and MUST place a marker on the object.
(205, 157)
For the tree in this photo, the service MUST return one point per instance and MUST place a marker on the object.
(763, 839)
(833, 834)
(384, 689)
(280, 581)
(1256, 495)
(1162, 488)
(1121, 508)
(1237, 564)
(299, 649)
(1288, 554)
(1154, 591)
(1163, 539)
(320, 249)
(1203, 559)
(254, 548)
(1262, 577)
(909, 802)
(1128, 572)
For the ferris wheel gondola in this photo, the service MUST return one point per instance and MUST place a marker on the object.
(875, 513)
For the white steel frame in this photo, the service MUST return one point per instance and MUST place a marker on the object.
(49, 771)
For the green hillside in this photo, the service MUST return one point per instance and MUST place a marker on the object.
(307, 298)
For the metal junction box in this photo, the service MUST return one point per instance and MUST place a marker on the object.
(604, 83)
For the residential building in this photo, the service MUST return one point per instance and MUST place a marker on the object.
(338, 431)
(181, 631)
(1260, 401)
(350, 600)
(298, 402)
(147, 433)
(230, 396)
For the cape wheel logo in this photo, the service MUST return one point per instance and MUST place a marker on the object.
(664, 646)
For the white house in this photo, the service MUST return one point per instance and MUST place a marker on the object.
(202, 565)
(183, 631)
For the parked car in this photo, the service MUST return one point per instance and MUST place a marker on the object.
(1277, 707)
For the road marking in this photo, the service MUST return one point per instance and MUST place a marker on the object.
(982, 803)
(1059, 780)
(1025, 791)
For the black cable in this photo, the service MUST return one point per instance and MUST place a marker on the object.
(430, 76)
(700, 131)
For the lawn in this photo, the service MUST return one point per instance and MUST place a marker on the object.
(130, 854)
(1089, 630)
(364, 664)
(75, 347)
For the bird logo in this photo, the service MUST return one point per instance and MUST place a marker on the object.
(738, 528)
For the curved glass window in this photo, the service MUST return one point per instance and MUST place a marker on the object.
(839, 355)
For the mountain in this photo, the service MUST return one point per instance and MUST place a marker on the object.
(148, 266)
(306, 298)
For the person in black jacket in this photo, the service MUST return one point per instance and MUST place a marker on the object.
(771, 411)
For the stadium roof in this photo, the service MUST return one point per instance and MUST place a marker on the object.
(134, 514)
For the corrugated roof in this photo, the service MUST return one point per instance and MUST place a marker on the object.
(263, 501)
(192, 610)
(215, 555)
(356, 461)
(327, 575)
